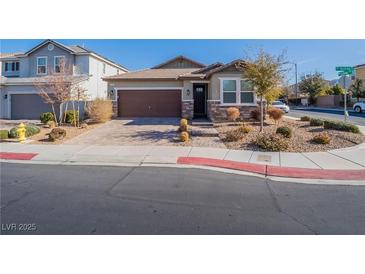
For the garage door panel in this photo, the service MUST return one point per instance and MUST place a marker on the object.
(149, 103)
(28, 106)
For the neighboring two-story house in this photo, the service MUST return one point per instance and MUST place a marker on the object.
(18, 72)
(360, 72)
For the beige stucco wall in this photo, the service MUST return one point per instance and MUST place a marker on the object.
(360, 73)
(144, 84)
(188, 90)
(214, 87)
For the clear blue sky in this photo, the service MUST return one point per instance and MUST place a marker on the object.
(311, 55)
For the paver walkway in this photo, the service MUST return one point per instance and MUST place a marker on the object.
(143, 132)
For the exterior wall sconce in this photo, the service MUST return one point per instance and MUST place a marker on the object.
(188, 92)
(5, 96)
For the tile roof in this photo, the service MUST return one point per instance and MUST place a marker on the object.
(172, 73)
(8, 55)
(165, 74)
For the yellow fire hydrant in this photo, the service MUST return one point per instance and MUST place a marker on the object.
(21, 132)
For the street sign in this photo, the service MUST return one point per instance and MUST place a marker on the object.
(345, 70)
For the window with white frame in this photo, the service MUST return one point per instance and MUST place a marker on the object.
(246, 92)
(41, 65)
(237, 91)
(59, 63)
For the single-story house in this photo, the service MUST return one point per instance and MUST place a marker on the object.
(182, 87)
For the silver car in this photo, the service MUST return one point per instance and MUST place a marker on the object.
(359, 106)
(280, 105)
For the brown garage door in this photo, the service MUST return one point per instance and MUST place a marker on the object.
(149, 103)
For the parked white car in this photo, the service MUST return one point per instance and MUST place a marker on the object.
(280, 105)
(359, 107)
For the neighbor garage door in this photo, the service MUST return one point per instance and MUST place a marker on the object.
(27, 106)
(149, 103)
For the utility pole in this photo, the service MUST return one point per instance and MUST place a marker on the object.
(345, 99)
(296, 83)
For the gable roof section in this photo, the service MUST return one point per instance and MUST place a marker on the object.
(179, 58)
(208, 68)
(224, 67)
(151, 74)
(76, 50)
(46, 42)
(174, 73)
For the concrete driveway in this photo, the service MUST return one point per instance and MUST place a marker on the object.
(134, 131)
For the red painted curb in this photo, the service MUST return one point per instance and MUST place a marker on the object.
(222, 163)
(290, 172)
(17, 156)
(309, 173)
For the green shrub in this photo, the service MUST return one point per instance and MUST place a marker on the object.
(271, 142)
(71, 116)
(305, 118)
(315, 122)
(322, 138)
(46, 117)
(342, 126)
(30, 130)
(4, 134)
(287, 132)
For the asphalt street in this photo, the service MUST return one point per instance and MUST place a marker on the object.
(51, 199)
(355, 118)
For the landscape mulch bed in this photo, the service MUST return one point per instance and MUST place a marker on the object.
(300, 141)
(71, 132)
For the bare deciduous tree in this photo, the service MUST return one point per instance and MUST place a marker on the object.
(58, 87)
(78, 93)
(266, 72)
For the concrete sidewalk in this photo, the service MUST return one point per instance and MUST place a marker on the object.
(352, 158)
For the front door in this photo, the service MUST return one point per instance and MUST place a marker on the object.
(200, 100)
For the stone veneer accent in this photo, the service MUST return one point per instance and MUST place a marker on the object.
(187, 109)
(216, 112)
(115, 109)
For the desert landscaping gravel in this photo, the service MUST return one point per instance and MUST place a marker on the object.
(301, 140)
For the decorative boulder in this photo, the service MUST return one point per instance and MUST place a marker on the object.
(56, 134)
